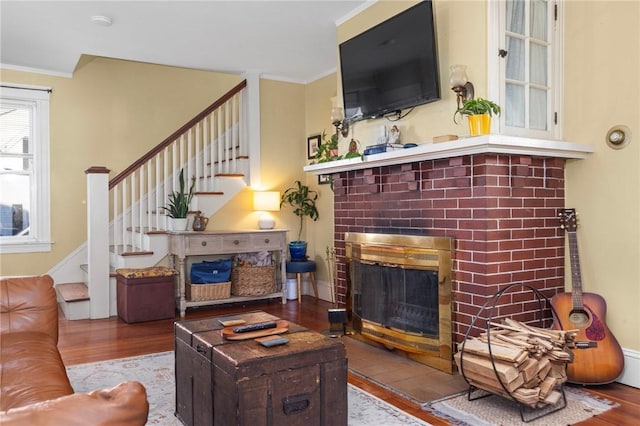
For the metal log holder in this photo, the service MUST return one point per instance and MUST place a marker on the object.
(527, 413)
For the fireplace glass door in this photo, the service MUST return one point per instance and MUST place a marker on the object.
(400, 298)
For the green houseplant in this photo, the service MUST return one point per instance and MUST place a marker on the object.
(178, 205)
(479, 112)
(328, 149)
(303, 201)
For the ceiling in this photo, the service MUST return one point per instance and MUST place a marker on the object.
(287, 40)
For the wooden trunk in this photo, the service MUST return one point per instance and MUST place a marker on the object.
(223, 382)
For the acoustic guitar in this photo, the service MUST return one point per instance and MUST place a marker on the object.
(597, 356)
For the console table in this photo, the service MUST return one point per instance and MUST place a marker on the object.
(207, 243)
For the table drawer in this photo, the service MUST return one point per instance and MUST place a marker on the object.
(203, 245)
(267, 241)
(237, 243)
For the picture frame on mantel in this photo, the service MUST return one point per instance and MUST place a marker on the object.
(313, 143)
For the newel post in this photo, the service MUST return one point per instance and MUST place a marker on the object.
(98, 241)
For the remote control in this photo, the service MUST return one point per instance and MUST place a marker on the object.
(255, 327)
(271, 341)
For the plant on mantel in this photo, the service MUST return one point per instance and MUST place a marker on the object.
(328, 150)
(478, 112)
(477, 106)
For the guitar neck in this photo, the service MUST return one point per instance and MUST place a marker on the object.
(576, 277)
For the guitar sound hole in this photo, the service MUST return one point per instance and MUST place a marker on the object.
(579, 318)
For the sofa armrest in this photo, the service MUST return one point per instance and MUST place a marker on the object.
(28, 304)
(123, 405)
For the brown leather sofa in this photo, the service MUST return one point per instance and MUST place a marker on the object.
(34, 387)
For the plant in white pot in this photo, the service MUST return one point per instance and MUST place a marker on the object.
(303, 201)
(178, 206)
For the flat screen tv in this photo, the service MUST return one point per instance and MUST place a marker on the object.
(392, 66)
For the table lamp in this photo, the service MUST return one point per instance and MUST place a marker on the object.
(265, 202)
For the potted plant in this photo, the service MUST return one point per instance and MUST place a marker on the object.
(178, 205)
(328, 149)
(303, 201)
(479, 112)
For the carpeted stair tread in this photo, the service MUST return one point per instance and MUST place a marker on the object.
(73, 292)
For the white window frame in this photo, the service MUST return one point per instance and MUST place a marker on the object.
(39, 238)
(496, 28)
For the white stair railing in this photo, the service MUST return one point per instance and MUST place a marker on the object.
(206, 147)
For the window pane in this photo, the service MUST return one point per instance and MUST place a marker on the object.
(538, 64)
(15, 168)
(15, 128)
(14, 204)
(24, 170)
(527, 78)
(515, 16)
(539, 19)
(515, 107)
(538, 109)
(515, 59)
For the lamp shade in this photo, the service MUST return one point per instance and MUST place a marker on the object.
(266, 201)
(337, 114)
(458, 76)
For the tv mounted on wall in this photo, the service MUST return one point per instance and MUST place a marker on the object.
(392, 66)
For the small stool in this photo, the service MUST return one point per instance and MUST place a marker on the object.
(300, 268)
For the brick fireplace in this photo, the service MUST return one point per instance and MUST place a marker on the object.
(501, 211)
(497, 197)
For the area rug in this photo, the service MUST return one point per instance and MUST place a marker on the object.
(498, 411)
(156, 372)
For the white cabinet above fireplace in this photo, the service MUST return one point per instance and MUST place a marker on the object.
(487, 144)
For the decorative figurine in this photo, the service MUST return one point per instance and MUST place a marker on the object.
(394, 135)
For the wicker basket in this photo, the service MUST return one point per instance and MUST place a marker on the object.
(203, 292)
(253, 280)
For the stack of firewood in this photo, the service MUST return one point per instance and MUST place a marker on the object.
(519, 361)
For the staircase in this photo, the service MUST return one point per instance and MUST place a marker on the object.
(127, 227)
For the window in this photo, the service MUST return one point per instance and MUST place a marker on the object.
(24, 169)
(525, 62)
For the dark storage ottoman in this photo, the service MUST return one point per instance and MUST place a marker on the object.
(145, 294)
(239, 382)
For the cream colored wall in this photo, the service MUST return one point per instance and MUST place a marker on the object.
(283, 151)
(318, 119)
(455, 20)
(110, 113)
(602, 65)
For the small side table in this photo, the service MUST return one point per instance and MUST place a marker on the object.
(299, 268)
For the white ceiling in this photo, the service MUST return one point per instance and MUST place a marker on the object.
(288, 40)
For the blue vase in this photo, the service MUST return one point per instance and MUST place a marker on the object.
(298, 251)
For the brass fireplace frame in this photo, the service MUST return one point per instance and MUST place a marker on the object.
(416, 252)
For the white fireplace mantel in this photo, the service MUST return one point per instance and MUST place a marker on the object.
(489, 144)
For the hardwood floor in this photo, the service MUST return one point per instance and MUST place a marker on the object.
(85, 341)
